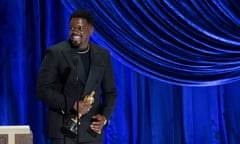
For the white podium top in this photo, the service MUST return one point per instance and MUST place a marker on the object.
(23, 129)
(12, 130)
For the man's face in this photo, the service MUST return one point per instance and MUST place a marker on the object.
(79, 32)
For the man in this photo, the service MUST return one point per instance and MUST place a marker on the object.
(71, 70)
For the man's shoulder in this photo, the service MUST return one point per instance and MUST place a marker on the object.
(60, 45)
(99, 48)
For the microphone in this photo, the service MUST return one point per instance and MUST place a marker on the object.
(70, 128)
(75, 62)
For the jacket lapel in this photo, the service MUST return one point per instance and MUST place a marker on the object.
(96, 67)
(95, 70)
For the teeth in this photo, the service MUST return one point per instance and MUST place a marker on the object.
(76, 37)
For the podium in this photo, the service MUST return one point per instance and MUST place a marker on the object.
(15, 135)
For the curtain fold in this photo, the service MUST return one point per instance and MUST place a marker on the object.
(180, 42)
(27, 28)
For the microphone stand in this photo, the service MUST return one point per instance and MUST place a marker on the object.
(77, 115)
(72, 126)
(78, 97)
(75, 61)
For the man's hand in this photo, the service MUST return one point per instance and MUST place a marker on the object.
(83, 107)
(98, 123)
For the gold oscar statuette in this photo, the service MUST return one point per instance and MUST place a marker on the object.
(71, 127)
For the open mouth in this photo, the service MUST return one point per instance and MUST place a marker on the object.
(76, 40)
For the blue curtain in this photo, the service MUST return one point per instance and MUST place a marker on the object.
(180, 42)
(176, 65)
(27, 27)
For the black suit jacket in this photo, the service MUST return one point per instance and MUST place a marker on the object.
(58, 86)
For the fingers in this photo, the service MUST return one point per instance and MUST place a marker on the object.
(82, 107)
(98, 123)
(85, 109)
(96, 127)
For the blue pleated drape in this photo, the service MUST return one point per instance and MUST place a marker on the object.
(180, 42)
(176, 66)
(27, 27)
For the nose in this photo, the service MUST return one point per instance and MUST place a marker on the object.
(78, 30)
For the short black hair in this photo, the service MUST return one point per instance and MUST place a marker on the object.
(85, 14)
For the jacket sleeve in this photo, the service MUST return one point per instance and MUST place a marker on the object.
(109, 92)
(49, 83)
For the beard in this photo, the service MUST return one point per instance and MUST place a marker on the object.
(75, 44)
(76, 41)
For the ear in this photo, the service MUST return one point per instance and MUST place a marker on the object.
(91, 30)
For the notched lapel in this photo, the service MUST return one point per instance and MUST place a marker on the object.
(96, 69)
